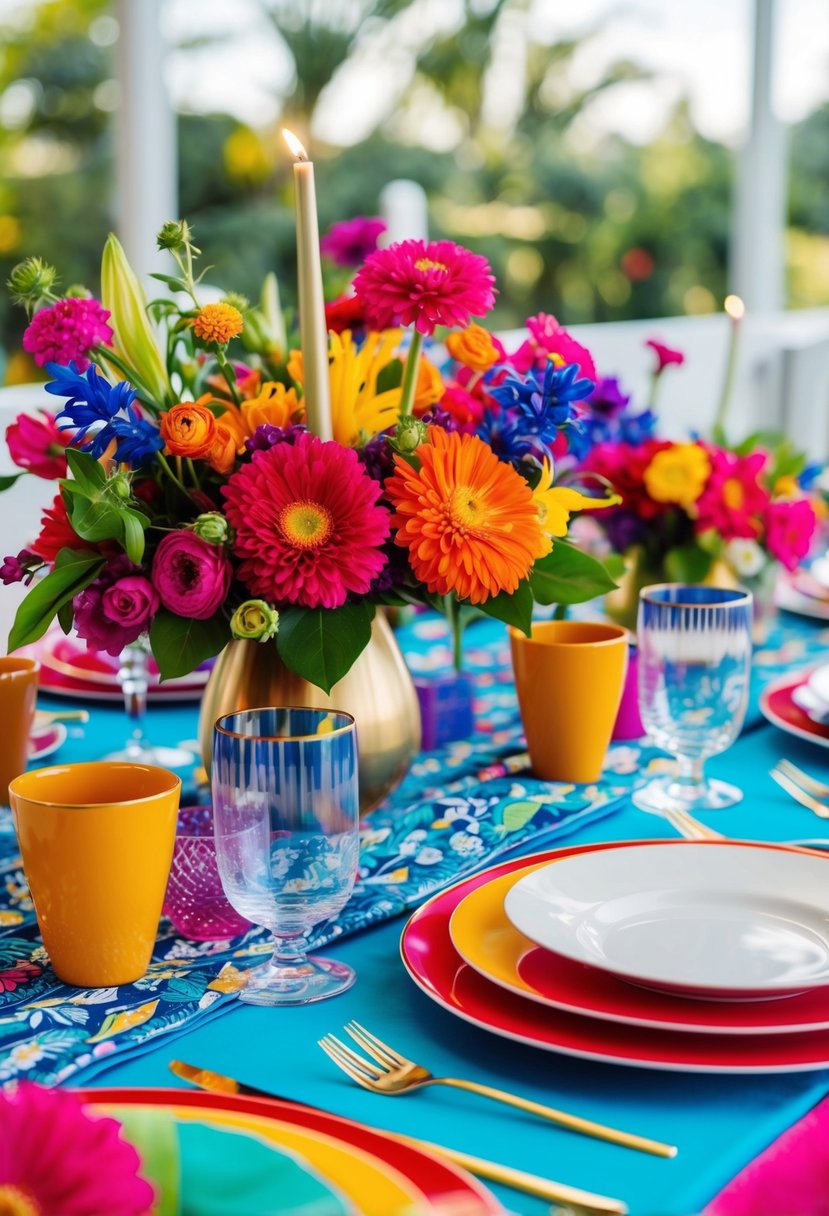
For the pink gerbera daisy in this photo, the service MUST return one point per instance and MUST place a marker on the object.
(308, 527)
(67, 331)
(734, 497)
(57, 1157)
(425, 285)
(547, 337)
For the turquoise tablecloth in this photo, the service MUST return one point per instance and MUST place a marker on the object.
(719, 1123)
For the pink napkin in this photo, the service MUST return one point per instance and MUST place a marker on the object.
(789, 1178)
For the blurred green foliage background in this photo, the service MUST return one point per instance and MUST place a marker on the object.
(611, 231)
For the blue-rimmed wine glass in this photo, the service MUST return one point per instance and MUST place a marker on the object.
(694, 668)
(286, 823)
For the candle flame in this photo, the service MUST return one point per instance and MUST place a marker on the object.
(735, 307)
(294, 144)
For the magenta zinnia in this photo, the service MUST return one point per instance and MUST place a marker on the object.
(308, 527)
(57, 1157)
(67, 331)
(425, 285)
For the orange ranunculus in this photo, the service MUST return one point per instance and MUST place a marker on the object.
(222, 455)
(189, 429)
(429, 388)
(473, 347)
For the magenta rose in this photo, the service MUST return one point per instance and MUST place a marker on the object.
(36, 444)
(114, 610)
(191, 576)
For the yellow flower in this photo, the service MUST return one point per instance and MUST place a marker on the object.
(678, 474)
(473, 347)
(787, 487)
(555, 504)
(356, 405)
(274, 405)
(216, 324)
(429, 388)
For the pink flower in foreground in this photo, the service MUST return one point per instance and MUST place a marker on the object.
(191, 576)
(36, 444)
(547, 337)
(56, 1157)
(734, 497)
(349, 242)
(425, 285)
(308, 526)
(665, 355)
(115, 609)
(790, 527)
(67, 331)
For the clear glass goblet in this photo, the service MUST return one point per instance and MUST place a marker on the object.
(694, 668)
(286, 828)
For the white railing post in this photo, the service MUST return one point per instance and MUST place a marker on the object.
(759, 216)
(404, 207)
(146, 178)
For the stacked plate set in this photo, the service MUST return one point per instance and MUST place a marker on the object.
(806, 590)
(707, 956)
(798, 703)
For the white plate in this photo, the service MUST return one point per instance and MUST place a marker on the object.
(818, 685)
(792, 600)
(819, 571)
(735, 923)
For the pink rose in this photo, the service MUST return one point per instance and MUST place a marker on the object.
(191, 576)
(790, 527)
(115, 609)
(36, 444)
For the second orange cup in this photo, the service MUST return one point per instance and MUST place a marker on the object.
(569, 677)
(97, 841)
(18, 690)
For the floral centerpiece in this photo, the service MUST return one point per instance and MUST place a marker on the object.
(194, 506)
(694, 510)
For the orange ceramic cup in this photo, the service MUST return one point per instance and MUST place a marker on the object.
(18, 690)
(569, 677)
(97, 841)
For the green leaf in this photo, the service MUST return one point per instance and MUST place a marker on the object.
(390, 376)
(73, 571)
(89, 473)
(515, 609)
(568, 575)
(7, 482)
(170, 280)
(322, 644)
(65, 617)
(180, 645)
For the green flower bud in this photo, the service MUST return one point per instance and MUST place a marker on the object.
(236, 300)
(175, 234)
(409, 434)
(31, 282)
(212, 527)
(78, 292)
(119, 485)
(255, 621)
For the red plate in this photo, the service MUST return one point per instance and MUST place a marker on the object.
(442, 1183)
(777, 706)
(437, 968)
(70, 670)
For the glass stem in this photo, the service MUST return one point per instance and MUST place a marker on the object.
(289, 950)
(133, 675)
(690, 771)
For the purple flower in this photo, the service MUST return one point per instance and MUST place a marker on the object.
(377, 458)
(19, 569)
(607, 397)
(192, 577)
(268, 436)
(623, 529)
(349, 242)
(114, 610)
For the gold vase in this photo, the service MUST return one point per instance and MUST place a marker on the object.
(378, 691)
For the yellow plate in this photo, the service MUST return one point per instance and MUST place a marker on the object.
(375, 1189)
(486, 940)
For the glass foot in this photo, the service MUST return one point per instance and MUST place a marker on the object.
(668, 794)
(314, 979)
(163, 757)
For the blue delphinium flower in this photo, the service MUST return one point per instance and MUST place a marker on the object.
(549, 404)
(99, 412)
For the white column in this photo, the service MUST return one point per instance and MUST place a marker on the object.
(147, 192)
(759, 217)
(404, 207)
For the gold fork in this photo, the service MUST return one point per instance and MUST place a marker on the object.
(393, 1073)
(819, 789)
(688, 826)
(802, 796)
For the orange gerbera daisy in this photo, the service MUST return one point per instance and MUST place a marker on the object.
(467, 518)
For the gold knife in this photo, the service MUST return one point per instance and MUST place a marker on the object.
(517, 1180)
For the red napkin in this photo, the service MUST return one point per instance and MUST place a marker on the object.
(789, 1178)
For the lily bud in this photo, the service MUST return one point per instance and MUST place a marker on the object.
(135, 341)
